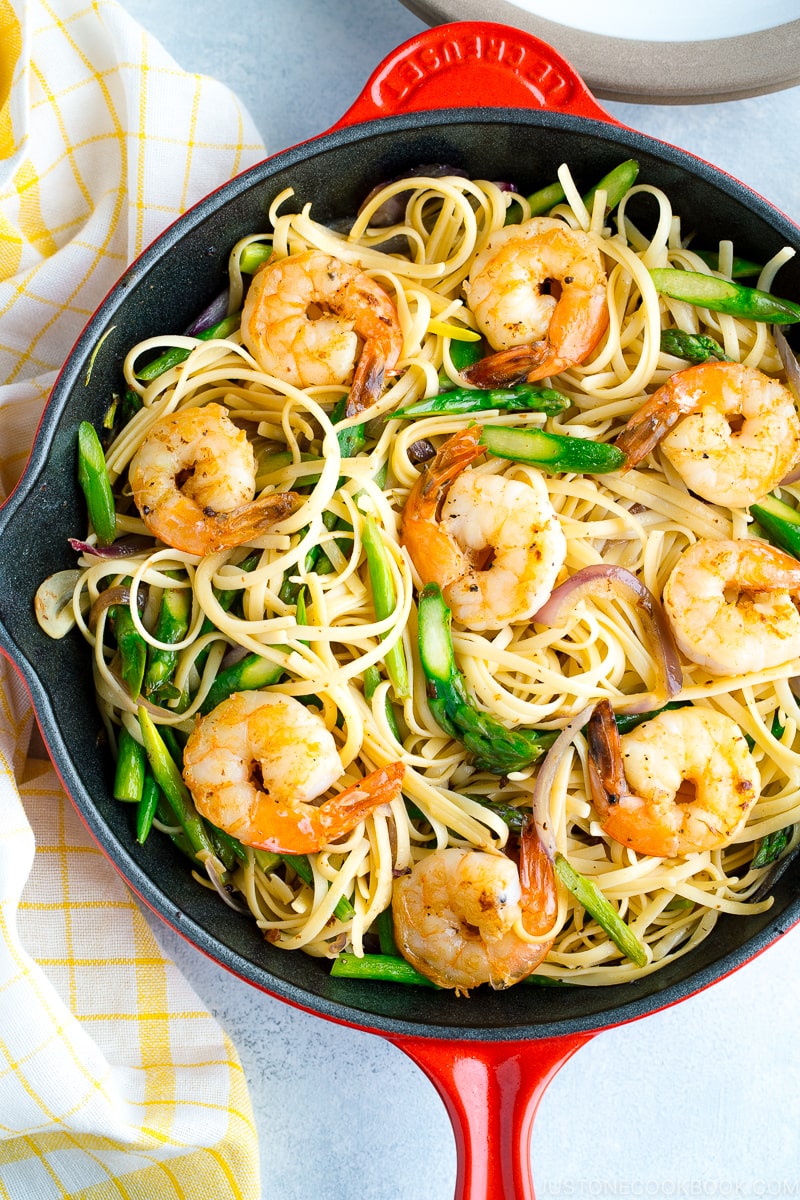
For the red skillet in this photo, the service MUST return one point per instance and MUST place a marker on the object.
(502, 105)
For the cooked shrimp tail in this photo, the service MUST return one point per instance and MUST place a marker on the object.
(248, 522)
(368, 378)
(319, 824)
(606, 774)
(506, 368)
(563, 348)
(426, 539)
(537, 882)
(651, 423)
(452, 458)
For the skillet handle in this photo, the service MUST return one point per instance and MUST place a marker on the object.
(473, 64)
(491, 1091)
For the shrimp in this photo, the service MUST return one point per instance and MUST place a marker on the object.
(494, 545)
(193, 480)
(258, 761)
(456, 916)
(730, 431)
(681, 783)
(730, 604)
(310, 319)
(538, 292)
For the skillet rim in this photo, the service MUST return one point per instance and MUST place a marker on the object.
(346, 1006)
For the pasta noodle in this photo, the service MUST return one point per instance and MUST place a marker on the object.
(299, 596)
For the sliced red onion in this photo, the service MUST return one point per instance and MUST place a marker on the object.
(121, 549)
(393, 210)
(216, 311)
(232, 656)
(792, 369)
(791, 477)
(212, 870)
(790, 363)
(547, 773)
(110, 597)
(606, 579)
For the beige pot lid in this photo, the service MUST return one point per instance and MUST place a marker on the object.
(658, 54)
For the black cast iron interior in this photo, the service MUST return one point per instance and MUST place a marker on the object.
(163, 291)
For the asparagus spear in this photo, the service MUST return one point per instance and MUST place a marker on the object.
(249, 673)
(387, 967)
(587, 893)
(132, 648)
(384, 967)
(742, 268)
(302, 867)
(772, 847)
(254, 256)
(615, 184)
(552, 452)
(372, 677)
(172, 625)
(385, 927)
(720, 295)
(351, 439)
(95, 484)
(168, 777)
(515, 818)
(147, 808)
(130, 405)
(384, 599)
(266, 860)
(780, 522)
(545, 198)
(628, 721)
(130, 769)
(494, 747)
(696, 347)
(176, 354)
(228, 849)
(523, 398)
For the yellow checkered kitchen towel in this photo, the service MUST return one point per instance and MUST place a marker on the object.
(115, 1082)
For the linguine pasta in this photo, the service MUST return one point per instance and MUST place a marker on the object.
(312, 615)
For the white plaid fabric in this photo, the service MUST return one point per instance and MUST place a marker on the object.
(115, 1081)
